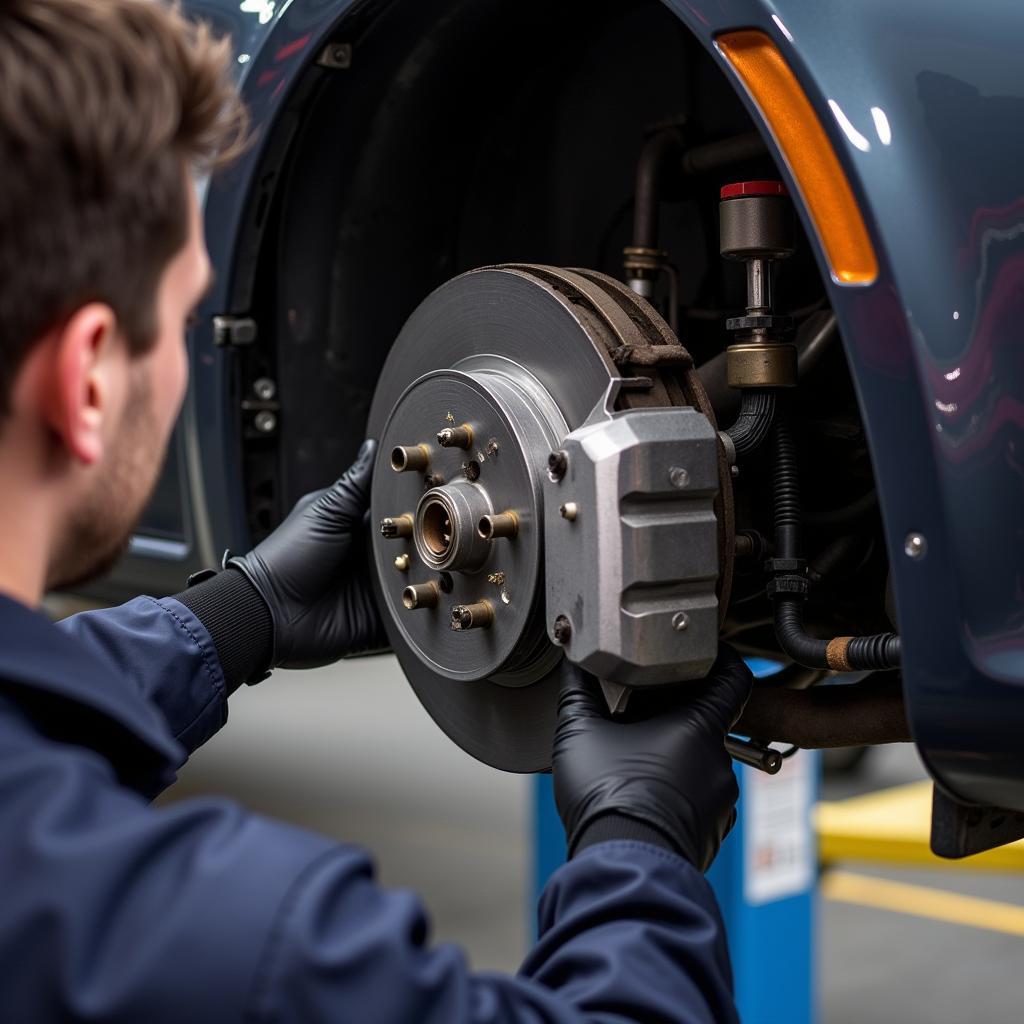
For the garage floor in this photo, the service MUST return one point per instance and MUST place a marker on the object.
(349, 751)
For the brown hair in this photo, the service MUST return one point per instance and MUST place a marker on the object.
(104, 106)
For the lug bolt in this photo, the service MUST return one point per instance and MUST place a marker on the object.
(456, 437)
(561, 631)
(411, 459)
(558, 463)
(397, 526)
(504, 524)
(478, 615)
(569, 511)
(402, 563)
(421, 595)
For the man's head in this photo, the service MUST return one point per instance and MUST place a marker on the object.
(106, 109)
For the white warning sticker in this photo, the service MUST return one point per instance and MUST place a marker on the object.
(779, 850)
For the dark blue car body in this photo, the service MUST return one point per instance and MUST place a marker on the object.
(923, 103)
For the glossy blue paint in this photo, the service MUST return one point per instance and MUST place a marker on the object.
(922, 102)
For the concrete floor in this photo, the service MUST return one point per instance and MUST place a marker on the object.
(350, 752)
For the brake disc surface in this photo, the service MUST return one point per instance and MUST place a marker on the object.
(510, 359)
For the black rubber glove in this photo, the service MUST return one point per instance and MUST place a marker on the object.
(663, 765)
(313, 573)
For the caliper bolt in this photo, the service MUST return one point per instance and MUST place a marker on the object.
(569, 511)
(456, 437)
(478, 615)
(410, 459)
(561, 631)
(558, 463)
(504, 524)
(421, 595)
(397, 526)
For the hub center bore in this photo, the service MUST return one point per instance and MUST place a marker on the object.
(445, 533)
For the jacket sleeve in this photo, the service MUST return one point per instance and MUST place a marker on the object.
(119, 911)
(628, 932)
(167, 653)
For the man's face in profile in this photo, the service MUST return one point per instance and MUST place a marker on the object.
(102, 522)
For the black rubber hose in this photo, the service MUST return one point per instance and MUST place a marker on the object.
(866, 653)
(757, 412)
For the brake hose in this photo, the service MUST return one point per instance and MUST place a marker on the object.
(788, 585)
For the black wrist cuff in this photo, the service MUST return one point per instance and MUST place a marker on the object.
(238, 621)
(617, 826)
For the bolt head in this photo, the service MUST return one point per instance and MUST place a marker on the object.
(561, 631)
(471, 470)
(402, 563)
(915, 546)
(680, 621)
(264, 389)
(265, 422)
(558, 463)
(569, 511)
(678, 477)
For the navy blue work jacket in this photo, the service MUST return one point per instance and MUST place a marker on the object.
(114, 910)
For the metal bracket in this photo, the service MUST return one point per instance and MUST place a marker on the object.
(234, 331)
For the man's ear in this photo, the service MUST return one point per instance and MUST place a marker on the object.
(80, 381)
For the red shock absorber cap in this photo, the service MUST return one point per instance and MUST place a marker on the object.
(753, 188)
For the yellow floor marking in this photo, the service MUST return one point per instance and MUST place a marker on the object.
(892, 827)
(921, 901)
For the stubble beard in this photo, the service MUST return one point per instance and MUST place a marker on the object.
(100, 528)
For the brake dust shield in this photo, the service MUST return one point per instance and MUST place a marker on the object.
(508, 360)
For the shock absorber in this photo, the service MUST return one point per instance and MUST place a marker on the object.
(756, 226)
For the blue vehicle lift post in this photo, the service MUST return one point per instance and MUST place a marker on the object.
(764, 878)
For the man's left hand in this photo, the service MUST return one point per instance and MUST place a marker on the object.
(313, 573)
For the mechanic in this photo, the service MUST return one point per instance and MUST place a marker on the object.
(115, 910)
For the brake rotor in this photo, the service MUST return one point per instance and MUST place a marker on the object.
(484, 381)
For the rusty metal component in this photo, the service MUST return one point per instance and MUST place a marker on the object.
(502, 524)
(456, 437)
(582, 334)
(761, 365)
(421, 595)
(478, 615)
(861, 714)
(410, 459)
(836, 654)
(393, 527)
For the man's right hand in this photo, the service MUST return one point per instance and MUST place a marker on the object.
(661, 772)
